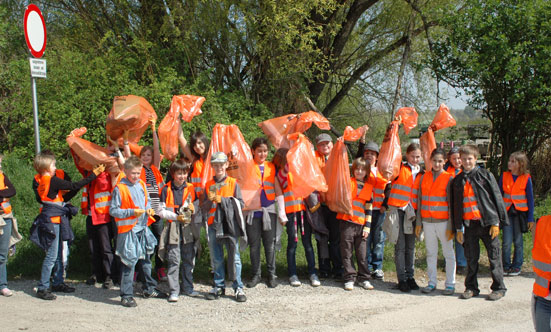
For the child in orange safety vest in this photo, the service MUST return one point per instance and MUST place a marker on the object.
(7, 191)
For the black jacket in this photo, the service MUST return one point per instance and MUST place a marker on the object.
(488, 198)
(42, 230)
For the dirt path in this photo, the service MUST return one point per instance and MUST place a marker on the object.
(327, 308)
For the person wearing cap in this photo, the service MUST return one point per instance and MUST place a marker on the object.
(226, 203)
(330, 243)
(381, 190)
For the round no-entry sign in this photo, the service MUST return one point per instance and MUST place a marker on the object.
(35, 30)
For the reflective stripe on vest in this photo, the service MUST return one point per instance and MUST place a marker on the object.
(292, 203)
(5, 204)
(378, 183)
(404, 189)
(434, 202)
(226, 189)
(197, 175)
(169, 204)
(541, 256)
(126, 224)
(514, 192)
(359, 199)
(43, 189)
(84, 201)
(266, 180)
(470, 207)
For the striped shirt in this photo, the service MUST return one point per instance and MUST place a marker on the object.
(152, 188)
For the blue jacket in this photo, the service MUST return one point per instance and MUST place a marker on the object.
(42, 230)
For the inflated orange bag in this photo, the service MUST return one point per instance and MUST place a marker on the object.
(307, 174)
(230, 140)
(88, 154)
(277, 129)
(409, 116)
(442, 119)
(130, 113)
(337, 173)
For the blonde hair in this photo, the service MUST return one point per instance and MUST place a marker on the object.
(361, 163)
(42, 162)
(469, 149)
(522, 159)
(132, 162)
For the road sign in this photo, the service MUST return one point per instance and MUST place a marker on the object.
(38, 67)
(35, 30)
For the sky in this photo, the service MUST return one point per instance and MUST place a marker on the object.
(452, 100)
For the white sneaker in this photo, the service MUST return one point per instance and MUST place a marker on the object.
(293, 281)
(366, 285)
(173, 298)
(378, 274)
(349, 285)
(314, 280)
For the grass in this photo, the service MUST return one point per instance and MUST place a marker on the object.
(27, 262)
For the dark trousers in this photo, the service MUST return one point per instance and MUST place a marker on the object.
(473, 234)
(404, 252)
(352, 240)
(157, 229)
(100, 239)
(299, 227)
(256, 234)
(333, 241)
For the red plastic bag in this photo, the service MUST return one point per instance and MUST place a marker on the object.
(442, 119)
(130, 113)
(88, 154)
(277, 129)
(228, 139)
(306, 171)
(390, 155)
(337, 173)
(408, 117)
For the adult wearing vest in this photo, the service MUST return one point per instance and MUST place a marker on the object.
(541, 258)
(7, 223)
(516, 188)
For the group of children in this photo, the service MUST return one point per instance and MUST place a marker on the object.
(126, 220)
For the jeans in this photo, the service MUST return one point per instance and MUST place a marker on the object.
(542, 314)
(376, 241)
(54, 258)
(301, 227)
(404, 251)
(255, 234)
(143, 266)
(460, 255)
(4, 247)
(512, 235)
(234, 260)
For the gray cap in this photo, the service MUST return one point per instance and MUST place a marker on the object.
(218, 157)
(453, 150)
(323, 138)
(372, 146)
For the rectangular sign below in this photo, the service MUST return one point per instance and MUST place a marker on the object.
(38, 67)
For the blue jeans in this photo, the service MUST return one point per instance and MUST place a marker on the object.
(376, 242)
(54, 258)
(234, 260)
(143, 267)
(306, 243)
(460, 258)
(542, 314)
(4, 247)
(512, 235)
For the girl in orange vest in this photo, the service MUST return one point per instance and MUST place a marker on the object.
(516, 188)
(434, 218)
(196, 151)
(262, 224)
(6, 192)
(354, 228)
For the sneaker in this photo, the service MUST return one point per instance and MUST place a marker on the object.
(428, 289)
(240, 295)
(128, 302)
(173, 298)
(514, 272)
(448, 291)
(193, 294)
(495, 295)
(161, 274)
(468, 293)
(45, 294)
(92, 280)
(6, 292)
(63, 288)
(314, 280)
(272, 282)
(366, 285)
(108, 283)
(155, 294)
(378, 274)
(254, 281)
(412, 284)
(293, 281)
(349, 285)
(403, 286)
(214, 293)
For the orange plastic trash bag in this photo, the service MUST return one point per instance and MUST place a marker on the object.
(187, 105)
(337, 173)
(130, 113)
(409, 116)
(306, 171)
(230, 140)
(277, 129)
(442, 119)
(390, 155)
(428, 144)
(88, 154)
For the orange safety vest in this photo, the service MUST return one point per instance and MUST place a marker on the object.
(541, 256)
(514, 192)
(404, 188)
(100, 192)
(197, 175)
(451, 170)
(126, 224)
(359, 198)
(470, 207)
(169, 204)
(227, 189)
(434, 203)
(156, 173)
(292, 203)
(43, 189)
(321, 160)
(379, 184)
(5, 204)
(266, 180)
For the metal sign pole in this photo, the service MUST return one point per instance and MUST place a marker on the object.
(35, 112)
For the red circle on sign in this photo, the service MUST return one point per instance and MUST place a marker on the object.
(33, 38)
